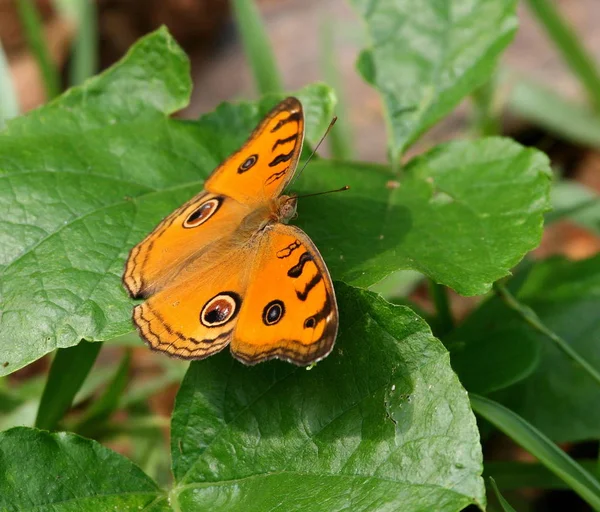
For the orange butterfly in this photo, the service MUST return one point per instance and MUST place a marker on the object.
(226, 269)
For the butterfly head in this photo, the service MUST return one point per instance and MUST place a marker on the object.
(286, 208)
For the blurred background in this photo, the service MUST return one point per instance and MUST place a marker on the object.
(538, 98)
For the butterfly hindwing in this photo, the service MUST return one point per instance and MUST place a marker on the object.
(289, 310)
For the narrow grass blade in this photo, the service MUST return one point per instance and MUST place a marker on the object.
(257, 47)
(108, 402)
(503, 503)
(67, 373)
(34, 32)
(569, 45)
(512, 475)
(85, 51)
(536, 443)
(340, 137)
(9, 106)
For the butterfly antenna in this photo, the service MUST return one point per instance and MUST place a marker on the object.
(317, 146)
(345, 187)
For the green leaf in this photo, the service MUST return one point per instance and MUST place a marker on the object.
(566, 297)
(536, 443)
(464, 214)
(69, 369)
(382, 423)
(424, 60)
(544, 107)
(493, 348)
(576, 202)
(64, 472)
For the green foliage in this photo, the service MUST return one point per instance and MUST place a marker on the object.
(384, 422)
(566, 297)
(384, 427)
(39, 472)
(425, 60)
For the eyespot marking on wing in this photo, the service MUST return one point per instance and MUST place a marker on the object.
(219, 310)
(247, 164)
(273, 312)
(204, 212)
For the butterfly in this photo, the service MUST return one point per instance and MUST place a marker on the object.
(226, 268)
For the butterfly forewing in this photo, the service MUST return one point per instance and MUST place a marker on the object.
(264, 165)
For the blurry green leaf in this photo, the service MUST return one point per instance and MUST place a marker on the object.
(69, 369)
(381, 424)
(505, 505)
(576, 202)
(558, 397)
(538, 445)
(65, 472)
(425, 58)
(544, 107)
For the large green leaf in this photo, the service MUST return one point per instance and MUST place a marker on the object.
(464, 214)
(89, 175)
(381, 424)
(426, 56)
(64, 472)
(558, 397)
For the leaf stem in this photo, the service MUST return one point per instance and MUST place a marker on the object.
(529, 316)
(444, 320)
(573, 52)
(34, 32)
(257, 47)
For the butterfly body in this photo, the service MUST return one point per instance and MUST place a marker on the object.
(226, 269)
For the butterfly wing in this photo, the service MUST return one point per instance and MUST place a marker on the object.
(195, 314)
(289, 310)
(250, 177)
(265, 164)
(180, 238)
